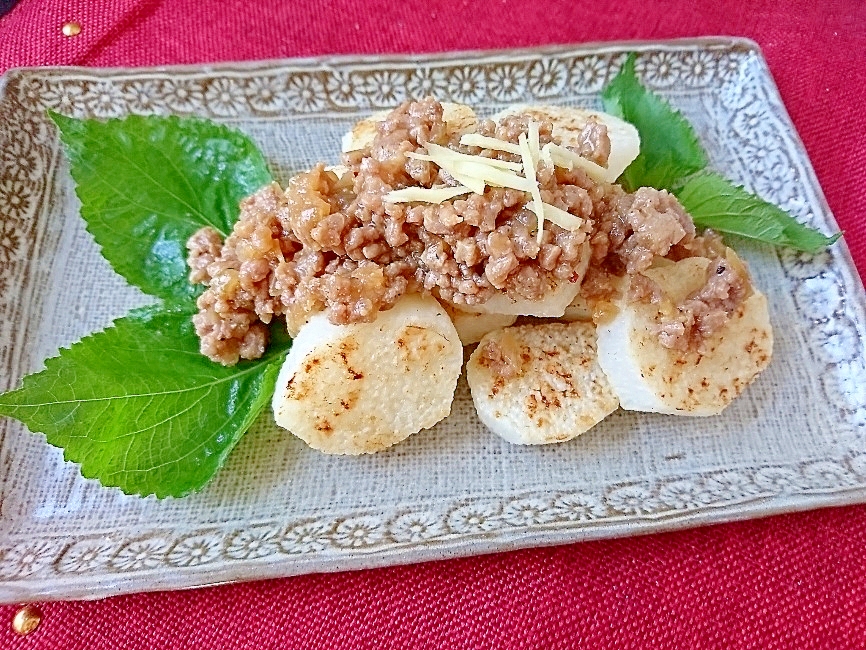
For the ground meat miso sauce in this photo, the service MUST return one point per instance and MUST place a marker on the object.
(331, 242)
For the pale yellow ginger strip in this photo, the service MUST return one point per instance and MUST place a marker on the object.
(529, 171)
(438, 151)
(425, 194)
(558, 216)
(567, 159)
(495, 177)
(486, 142)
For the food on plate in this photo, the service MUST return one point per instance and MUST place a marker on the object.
(417, 211)
(491, 219)
(472, 326)
(518, 218)
(686, 337)
(362, 387)
(458, 119)
(577, 310)
(553, 304)
(538, 384)
(576, 130)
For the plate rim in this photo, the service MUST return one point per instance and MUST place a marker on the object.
(105, 584)
(618, 46)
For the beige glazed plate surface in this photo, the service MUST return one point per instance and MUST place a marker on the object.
(795, 440)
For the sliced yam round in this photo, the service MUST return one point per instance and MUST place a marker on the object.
(458, 119)
(362, 387)
(578, 309)
(471, 326)
(539, 384)
(362, 132)
(552, 305)
(568, 122)
(650, 377)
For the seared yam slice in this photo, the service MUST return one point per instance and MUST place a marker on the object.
(650, 377)
(568, 122)
(472, 326)
(539, 384)
(362, 387)
(578, 310)
(459, 118)
(552, 305)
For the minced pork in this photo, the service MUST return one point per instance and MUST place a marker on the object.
(329, 242)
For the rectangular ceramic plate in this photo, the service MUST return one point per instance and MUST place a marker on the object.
(795, 440)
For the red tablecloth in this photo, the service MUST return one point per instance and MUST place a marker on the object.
(797, 581)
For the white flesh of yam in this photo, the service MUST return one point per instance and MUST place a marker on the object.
(471, 327)
(543, 384)
(552, 305)
(578, 310)
(362, 387)
(650, 377)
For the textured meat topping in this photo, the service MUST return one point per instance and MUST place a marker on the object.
(594, 143)
(237, 304)
(651, 225)
(707, 310)
(634, 230)
(332, 242)
(504, 357)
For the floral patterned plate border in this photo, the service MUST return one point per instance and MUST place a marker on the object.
(794, 441)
